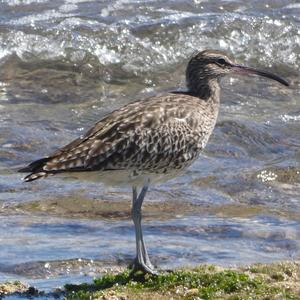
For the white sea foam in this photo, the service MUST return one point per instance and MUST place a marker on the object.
(288, 118)
(22, 2)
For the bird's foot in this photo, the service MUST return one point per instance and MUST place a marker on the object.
(137, 266)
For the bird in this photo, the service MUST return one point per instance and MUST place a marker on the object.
(150, 140)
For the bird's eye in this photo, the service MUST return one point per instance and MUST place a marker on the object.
(221, 61)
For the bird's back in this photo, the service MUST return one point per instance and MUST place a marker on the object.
(158, 135)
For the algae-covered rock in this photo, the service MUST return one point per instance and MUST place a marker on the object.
(260, 282)
(8, 288)
(205, 282)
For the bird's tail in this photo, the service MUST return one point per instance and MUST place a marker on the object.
(35, 169)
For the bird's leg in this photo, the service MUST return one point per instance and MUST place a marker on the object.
(139, 203)
(142, 261)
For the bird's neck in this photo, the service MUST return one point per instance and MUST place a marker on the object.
(207, 90)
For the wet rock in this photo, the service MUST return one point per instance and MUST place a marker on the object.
(8, 288)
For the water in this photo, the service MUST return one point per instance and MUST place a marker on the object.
(65, 64)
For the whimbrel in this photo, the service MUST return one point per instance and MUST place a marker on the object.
(149, 140)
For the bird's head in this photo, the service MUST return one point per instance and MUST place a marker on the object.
(212, 64)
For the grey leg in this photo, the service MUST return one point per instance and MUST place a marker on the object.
(138, 206)
(142, 261)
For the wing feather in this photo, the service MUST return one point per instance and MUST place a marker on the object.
(154, 132)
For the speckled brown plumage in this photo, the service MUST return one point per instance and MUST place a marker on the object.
(151, 139)
(154, 135)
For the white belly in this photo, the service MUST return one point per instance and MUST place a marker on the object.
(123, 177)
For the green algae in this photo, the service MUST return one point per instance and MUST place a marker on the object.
(205, 282)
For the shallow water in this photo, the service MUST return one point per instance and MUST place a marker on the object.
(64, 64)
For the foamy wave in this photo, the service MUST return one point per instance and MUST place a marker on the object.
(150, 41)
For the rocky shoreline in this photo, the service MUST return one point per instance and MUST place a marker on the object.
(258, 281)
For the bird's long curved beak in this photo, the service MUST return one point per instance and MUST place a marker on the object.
(239, 69)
